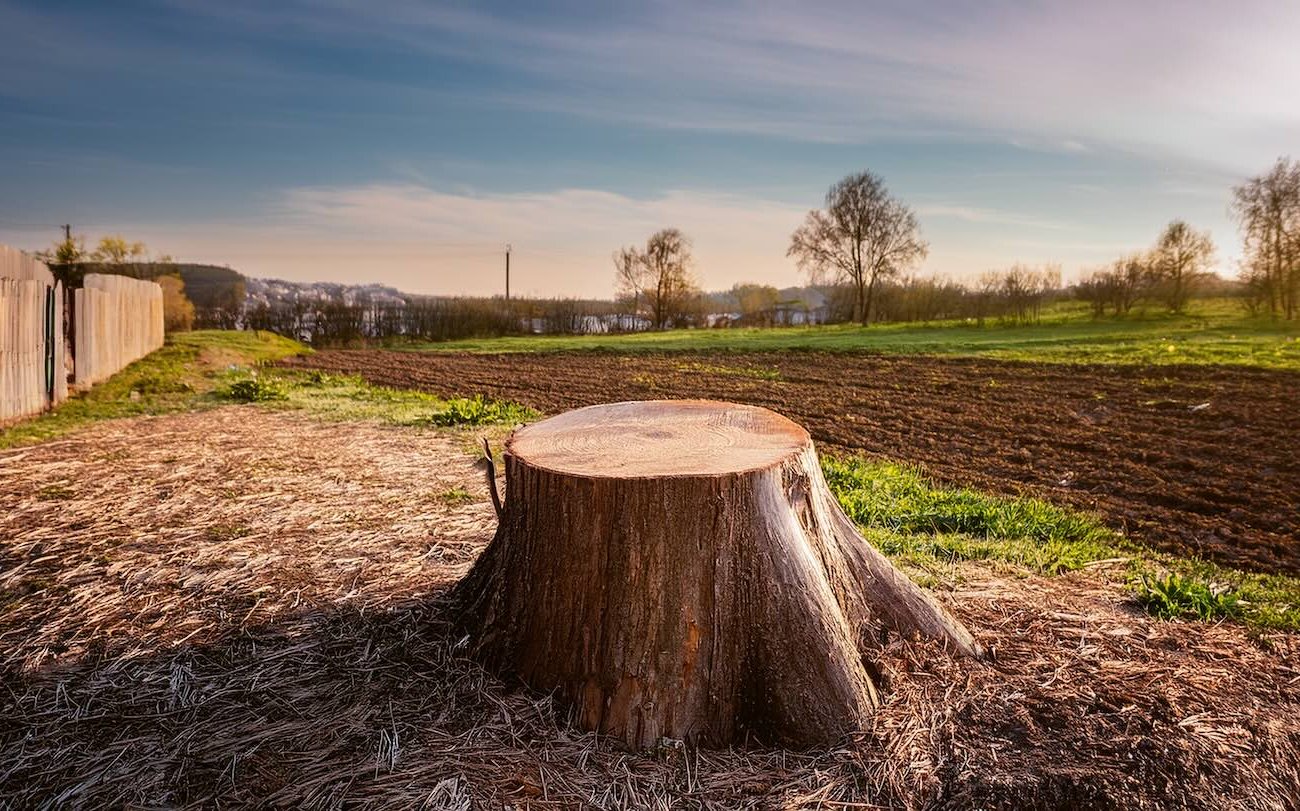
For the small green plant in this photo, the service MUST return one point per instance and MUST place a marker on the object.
(316, 379)
(1173, 596)
(457, 495)
(256, 390)
(478, 410)
(55, 492)
(223, 533)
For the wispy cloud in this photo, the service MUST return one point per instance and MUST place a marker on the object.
(975, 214)
(1211, 81)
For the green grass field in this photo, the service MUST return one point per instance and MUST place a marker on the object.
(1212, 332)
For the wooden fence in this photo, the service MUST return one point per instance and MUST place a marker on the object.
(114, 319)
(33, 375)
(118, 320)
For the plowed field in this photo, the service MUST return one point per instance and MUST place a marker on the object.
(1195, 460)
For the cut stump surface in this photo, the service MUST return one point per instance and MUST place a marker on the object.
(659, 438)
(679, 569)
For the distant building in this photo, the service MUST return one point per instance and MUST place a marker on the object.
(807, 306)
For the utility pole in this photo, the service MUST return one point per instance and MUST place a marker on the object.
(67, 233)
(507, 274)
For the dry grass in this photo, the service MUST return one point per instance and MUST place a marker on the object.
(242, 607)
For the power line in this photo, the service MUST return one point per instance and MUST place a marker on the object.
(41, 225)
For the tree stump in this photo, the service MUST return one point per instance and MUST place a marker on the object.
(679, 569)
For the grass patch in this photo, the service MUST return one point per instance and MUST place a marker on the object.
(928, 527)
(255, 390)
(752, 372)
(1261, 600)
(917, 520)
(184, 374)
(902, 499)
(479, 410)
(1172, 596)
(350, 397)
(1211, 332)
(457, 495)
(209, 368)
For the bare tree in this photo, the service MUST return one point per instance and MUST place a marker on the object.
(1017, 295)
(1268, 208)
(1181, 259)
(861, 237)
(658, 278)
(1097, 289)
(1130, 276)
(986, 291)
(628, 275)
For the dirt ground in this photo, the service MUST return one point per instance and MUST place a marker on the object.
(1195, 460)
(242, 607)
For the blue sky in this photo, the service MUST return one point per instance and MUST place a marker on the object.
(407, 142)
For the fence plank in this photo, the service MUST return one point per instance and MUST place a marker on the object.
(24, 285)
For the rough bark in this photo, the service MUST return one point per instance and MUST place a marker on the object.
(680, 570)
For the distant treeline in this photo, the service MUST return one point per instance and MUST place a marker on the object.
(337, 322)
(1017, 295)
(347, 316)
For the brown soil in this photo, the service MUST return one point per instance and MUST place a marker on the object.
(1193, 460)
(239, 607)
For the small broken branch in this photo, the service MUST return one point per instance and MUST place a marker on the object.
(490, 469)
